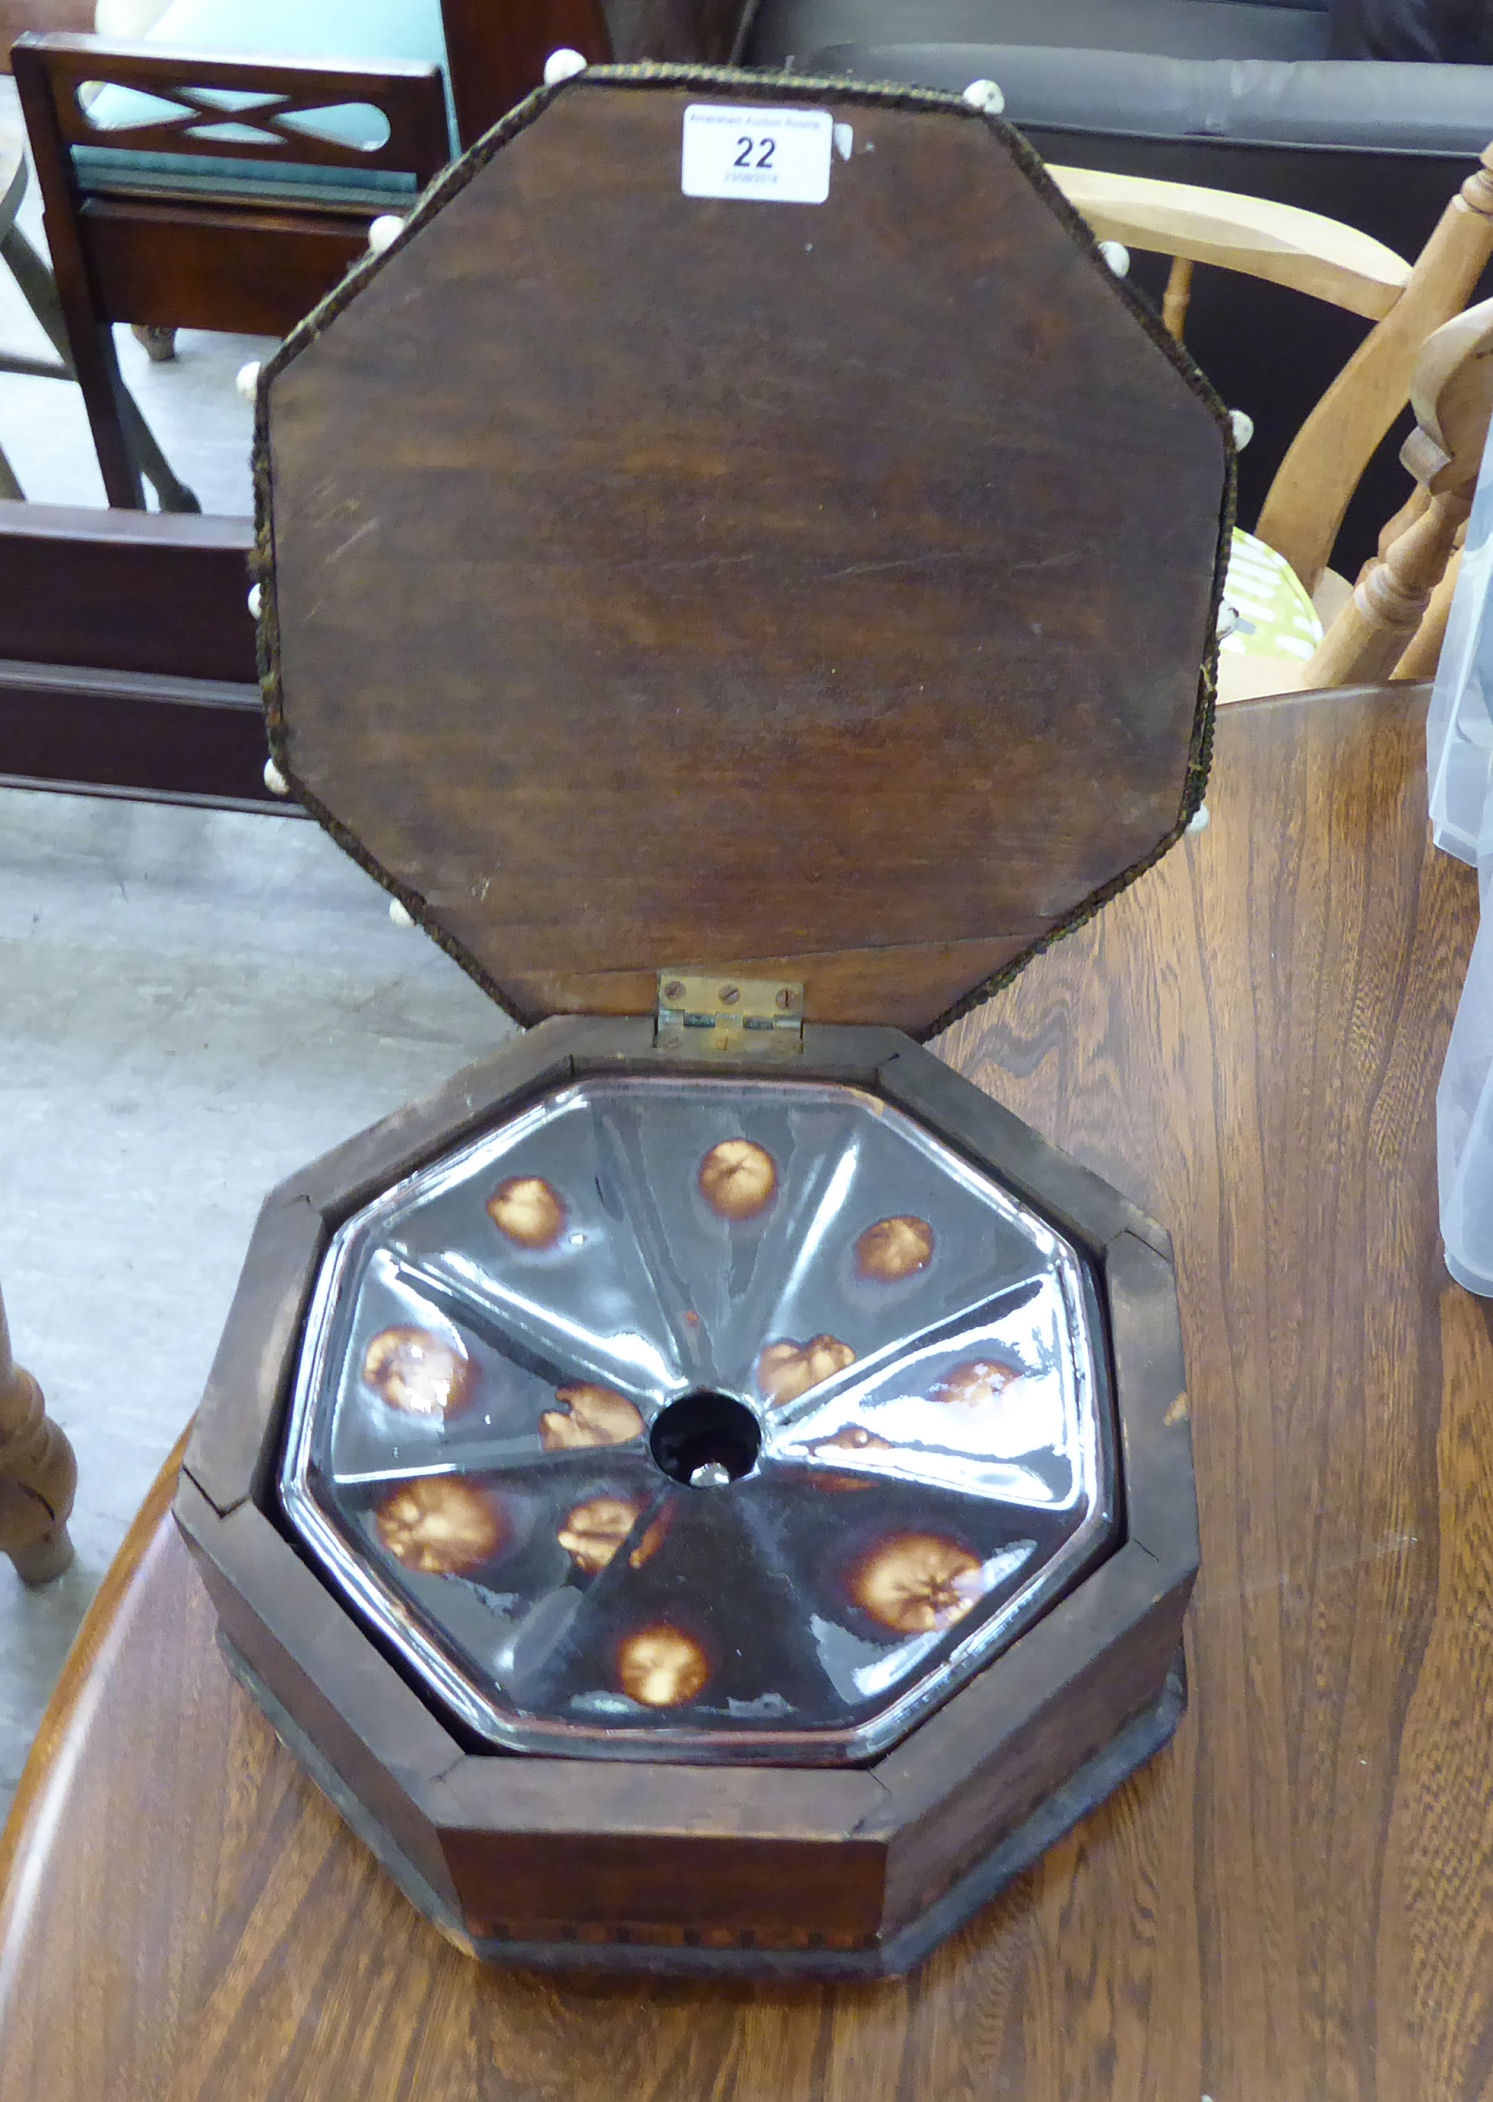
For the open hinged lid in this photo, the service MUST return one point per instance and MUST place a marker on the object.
(802, 589)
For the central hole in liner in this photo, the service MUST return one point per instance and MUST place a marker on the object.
(705, 1439)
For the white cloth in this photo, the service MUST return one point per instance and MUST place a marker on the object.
(1459, 753)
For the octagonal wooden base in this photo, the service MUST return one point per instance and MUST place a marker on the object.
(1099, 1777)
(852, 1870)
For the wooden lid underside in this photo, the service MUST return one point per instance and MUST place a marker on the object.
(802, 590)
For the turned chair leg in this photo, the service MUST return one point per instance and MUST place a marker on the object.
(1423, 652)
(38, 1476)
(128, 432)
(158, 344)
(1378, 623)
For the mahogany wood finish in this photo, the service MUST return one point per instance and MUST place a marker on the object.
(127, 655)
(1295, 1901)
(829, 706)
(123, 733)
(495, 52)
(162, 595)
(417, 144)
(38, 1475)
(196, 260)
(203, 265)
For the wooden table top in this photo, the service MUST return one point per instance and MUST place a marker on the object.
(1295, 1900)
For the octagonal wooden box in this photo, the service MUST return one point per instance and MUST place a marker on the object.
(741, 624)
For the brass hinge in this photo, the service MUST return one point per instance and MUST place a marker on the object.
(725, 1017)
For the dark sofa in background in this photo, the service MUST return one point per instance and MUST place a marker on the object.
(1234, 94)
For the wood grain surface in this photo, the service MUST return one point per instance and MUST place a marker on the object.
(156, 593)
(793, 529)
(1292, 1904)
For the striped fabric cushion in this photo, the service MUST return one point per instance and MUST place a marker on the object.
(1266, 612)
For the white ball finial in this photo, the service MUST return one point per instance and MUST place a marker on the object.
(985, 96)
(247, 381)
(1117, 255)
(384, 232)
(1243, 426)
(400, 915)
(563, 64)
(274, 780)
(256, 601)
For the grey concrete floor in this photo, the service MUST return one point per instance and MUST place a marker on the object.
(192, 1004)
(191, 403)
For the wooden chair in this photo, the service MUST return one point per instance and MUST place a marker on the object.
(1304, 507)
(226, 200)
(34, 282)
(181, 244)
(1395, 618)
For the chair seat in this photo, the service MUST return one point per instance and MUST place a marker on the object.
(336, 31)
(1271, 628)
(1274, 617)
(115, 168)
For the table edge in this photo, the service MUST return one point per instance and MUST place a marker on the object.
(93, 1633)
